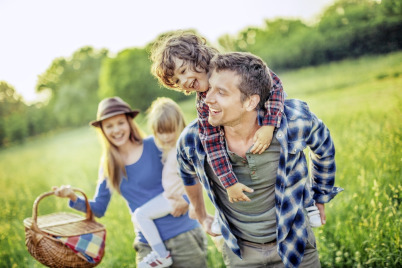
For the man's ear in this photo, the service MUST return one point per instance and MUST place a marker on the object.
(252, 102)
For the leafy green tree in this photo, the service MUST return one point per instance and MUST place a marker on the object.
(356, 27)
(74, 84)
(128, 76)
(274, 42)
(13, 124)
(348, 28)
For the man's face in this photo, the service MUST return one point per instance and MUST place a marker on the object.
(189, 80)
(223, 99)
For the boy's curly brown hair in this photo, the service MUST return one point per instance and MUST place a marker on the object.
(183, 45)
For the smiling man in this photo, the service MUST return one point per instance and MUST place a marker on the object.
(272, 229)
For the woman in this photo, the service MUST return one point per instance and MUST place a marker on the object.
(131, 165)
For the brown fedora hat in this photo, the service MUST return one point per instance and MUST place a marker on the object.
(110, 107)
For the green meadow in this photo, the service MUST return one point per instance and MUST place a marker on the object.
(359, 100)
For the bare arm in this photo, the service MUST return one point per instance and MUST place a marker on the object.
(194, 193)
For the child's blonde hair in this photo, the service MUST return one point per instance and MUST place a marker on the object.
(165, 116)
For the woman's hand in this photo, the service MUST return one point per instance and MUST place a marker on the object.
(180, 206)
(65, 191)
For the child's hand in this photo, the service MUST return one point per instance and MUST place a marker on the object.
(262, 139)
(235, 192)
(179, 206)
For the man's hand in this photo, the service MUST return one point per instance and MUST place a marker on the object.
(321, 208)
(262, 139)
(235, 192)
(180, 206)
(207, 223)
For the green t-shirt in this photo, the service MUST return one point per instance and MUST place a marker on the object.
(254, 221)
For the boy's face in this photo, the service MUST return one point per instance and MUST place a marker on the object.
(189, 80)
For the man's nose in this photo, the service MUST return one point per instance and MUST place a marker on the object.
(209, 97)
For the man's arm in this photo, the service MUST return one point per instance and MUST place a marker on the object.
(187, 170)
(194, 193)
(322, 156)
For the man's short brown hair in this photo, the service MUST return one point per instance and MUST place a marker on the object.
(187, 46)
(254, 74)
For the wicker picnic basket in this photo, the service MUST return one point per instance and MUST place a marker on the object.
(41, 235)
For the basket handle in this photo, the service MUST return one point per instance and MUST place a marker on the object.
(89, 214)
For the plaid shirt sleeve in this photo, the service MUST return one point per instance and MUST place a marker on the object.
(213, 142)
(322, 156)
(271, 115)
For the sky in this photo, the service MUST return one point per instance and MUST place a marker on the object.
(34, 33)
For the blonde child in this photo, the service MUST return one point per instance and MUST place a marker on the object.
(181, 62)
(167, 122)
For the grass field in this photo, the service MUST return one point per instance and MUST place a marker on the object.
(359, 100)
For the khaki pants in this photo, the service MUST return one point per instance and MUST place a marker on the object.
(188, 249)
(266, 255)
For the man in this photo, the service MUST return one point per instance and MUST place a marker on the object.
(271, 230)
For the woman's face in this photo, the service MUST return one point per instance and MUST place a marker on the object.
(117, 130)
(189, 80)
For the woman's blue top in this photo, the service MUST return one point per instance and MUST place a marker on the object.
(143, 182)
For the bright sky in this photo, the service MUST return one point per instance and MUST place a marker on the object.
(34, 32)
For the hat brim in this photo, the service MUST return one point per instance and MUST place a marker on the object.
(97, 123)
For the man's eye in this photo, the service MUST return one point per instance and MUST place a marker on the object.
(177, 81)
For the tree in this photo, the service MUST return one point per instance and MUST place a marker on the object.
(74, 84)
(13, 124)
(128, 76)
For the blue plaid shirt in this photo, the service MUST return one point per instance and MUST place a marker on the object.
(299, 129)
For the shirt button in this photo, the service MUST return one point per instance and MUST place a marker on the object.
(279, 135)
(294, 150)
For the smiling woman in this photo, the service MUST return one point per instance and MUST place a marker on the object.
(132, 166)
(117, 130)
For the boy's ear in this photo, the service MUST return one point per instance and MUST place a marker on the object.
(252, 102)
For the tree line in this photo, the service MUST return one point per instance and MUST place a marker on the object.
(75, 85)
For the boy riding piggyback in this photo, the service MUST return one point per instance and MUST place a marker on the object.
(181, 62)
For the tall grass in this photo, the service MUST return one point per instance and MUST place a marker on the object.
(359, 100)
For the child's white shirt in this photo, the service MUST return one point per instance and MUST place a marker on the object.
(171, 180)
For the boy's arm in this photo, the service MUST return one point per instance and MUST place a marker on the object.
(213, 142)
(270, 116)
(262, 139)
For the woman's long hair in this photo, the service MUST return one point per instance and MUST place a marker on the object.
(165, 116)
(112, 162)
